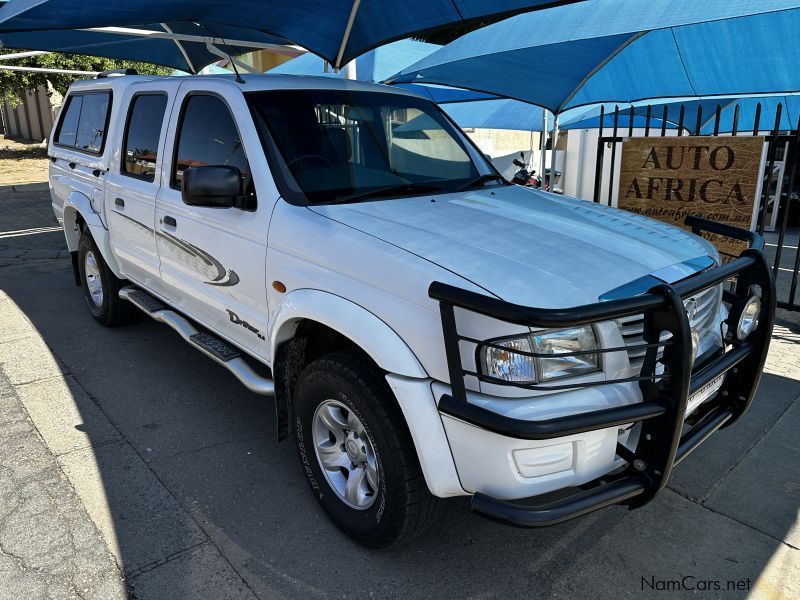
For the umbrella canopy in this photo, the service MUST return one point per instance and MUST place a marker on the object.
(496, 114)
(446, 95)
(623, 51)
(376, 65)
(142, 44)
(337, 30)
(704, 108)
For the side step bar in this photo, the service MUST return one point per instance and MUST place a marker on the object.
(215, 348)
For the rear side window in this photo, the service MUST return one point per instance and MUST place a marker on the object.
(83, 126)
(68, 130)
(142, 135)
(208, 137)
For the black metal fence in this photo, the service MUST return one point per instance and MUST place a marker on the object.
(777, 195)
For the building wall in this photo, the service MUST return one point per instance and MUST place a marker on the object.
(32, 119)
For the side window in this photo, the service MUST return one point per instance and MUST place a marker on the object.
(68, 130)
(142, 134)
(84, 124)
(208, 137)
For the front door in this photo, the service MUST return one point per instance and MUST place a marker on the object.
(212, 260)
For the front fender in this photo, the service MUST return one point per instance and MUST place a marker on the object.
(78, 204)
(353, 321)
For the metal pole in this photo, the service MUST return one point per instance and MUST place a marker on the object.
(795, 155)
(598, 165)
(543, 151)
(553, 142)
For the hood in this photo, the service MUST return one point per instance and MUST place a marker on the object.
(527, 246)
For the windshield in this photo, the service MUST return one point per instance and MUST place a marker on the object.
(345, 146)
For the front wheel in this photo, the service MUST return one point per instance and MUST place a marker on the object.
(357, 453)
(100, 286)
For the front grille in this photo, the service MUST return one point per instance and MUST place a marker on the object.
(632, 328)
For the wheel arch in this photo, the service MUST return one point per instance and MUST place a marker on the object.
(79, 215)
(310, 323)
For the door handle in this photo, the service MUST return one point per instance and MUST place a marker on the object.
(119, 202)
(72, 165)
(170, 221)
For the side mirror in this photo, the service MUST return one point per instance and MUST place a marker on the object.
(518, 162)
(213, 186)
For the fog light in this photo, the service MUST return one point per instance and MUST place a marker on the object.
(748, 320)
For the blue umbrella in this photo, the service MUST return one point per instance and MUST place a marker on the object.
(622, 51)
(337, 30)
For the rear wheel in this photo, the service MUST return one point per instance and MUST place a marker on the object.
(357, 453)
(100, 286)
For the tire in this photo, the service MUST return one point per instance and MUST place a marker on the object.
(104, 302)
(395, 507)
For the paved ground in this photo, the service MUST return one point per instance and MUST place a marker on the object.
(131, 463)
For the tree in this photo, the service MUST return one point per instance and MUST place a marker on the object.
(13, 84)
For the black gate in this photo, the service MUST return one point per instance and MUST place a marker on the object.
(778, 191)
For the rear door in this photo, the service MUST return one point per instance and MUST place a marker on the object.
(79, 146)
(134, 178)
(213, 260)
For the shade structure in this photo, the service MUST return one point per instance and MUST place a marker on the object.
(337, 30)
(141, 44)
(496, 114)
(702, 110)
(624, 51)
(446, 95)
(378, 64)
(375, 65)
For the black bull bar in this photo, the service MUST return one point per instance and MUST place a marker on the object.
(663, 440)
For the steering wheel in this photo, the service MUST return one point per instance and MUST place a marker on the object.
(316, 157)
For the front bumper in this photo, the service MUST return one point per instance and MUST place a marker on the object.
(664, 439)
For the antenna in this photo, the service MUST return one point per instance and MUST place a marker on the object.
(217, 51)
(235, 69)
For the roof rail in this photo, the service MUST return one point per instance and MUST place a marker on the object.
(116, 72)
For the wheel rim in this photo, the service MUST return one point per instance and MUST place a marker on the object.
(345, 454)
(92, 275)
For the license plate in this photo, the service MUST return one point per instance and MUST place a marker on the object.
(704, 393)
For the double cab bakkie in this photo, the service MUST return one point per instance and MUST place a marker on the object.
(426, 329)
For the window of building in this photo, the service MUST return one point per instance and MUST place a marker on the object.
(142, 136)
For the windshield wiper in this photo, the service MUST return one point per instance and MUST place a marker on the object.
(481, 180)
(405, 188)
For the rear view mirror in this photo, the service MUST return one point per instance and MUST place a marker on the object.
(212, 186)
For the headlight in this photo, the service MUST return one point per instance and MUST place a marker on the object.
(748, 321)
(510, 363)
(507, 363)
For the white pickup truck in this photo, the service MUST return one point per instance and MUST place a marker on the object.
(426, 329)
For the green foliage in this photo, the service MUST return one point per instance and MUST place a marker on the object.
(14, 83)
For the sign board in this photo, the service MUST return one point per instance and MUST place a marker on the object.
(668, 178)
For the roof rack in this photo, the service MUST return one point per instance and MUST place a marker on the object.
(116, 73)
